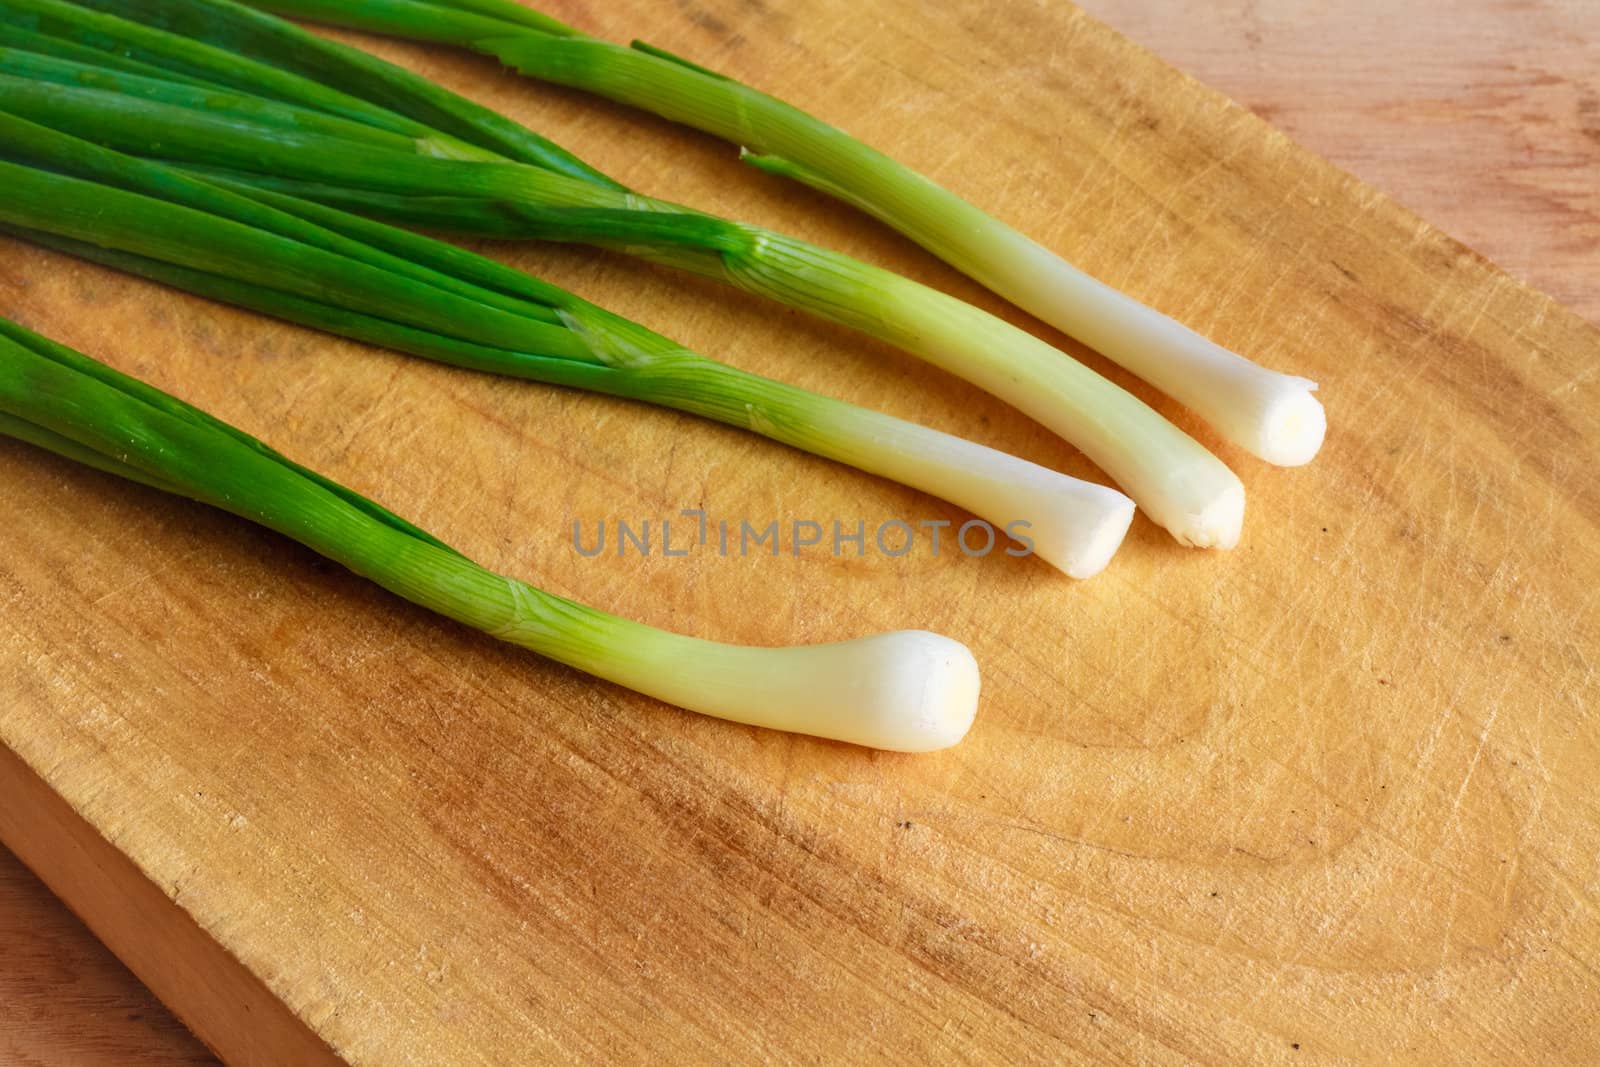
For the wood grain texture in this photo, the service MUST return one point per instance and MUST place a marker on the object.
(1333, 791)
(227, 1005)
(65, 999)
(1483, 116)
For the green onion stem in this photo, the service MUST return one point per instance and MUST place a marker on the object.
(1270, 414)
(364, 279)
(909, 690)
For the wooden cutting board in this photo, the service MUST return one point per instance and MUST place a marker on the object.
(1329, 790)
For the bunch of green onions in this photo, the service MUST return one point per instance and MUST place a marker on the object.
(909, 690)
(220, 89)
(367, 280)
(1270, 414)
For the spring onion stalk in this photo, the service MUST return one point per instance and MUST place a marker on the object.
(909, 690)
(1270, 414)
(489, 176)
(367, 280)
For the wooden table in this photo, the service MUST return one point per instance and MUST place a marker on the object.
(1481, 115)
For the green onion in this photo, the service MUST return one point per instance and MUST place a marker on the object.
(363, 279)
(1270, 414)
(305, 137)
(909, 691)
